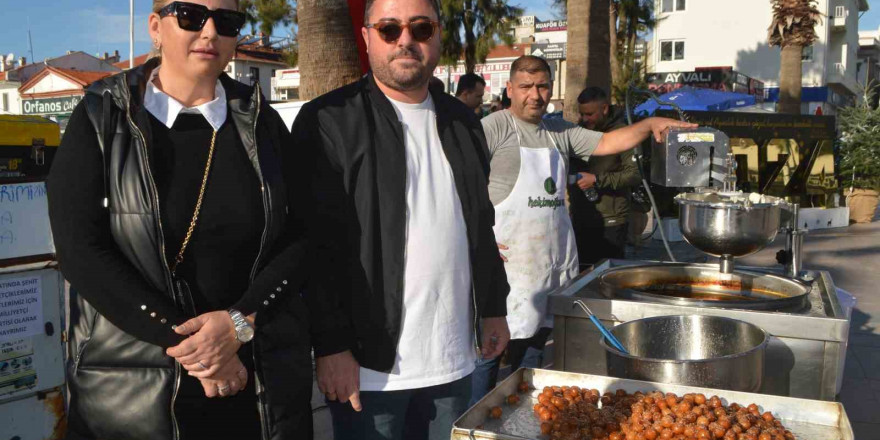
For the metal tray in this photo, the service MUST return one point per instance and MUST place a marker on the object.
(807, 419)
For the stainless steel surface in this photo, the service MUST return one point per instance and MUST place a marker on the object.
(688, 284)
(803, 359)
(685, 158)
(725, 265)
(794, 241)
(705, 351)
(807, 419)
(727, 225)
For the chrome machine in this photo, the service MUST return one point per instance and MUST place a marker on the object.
(799, 309)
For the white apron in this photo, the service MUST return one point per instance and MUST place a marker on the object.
(534, 224)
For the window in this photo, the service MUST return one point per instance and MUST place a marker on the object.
(673, 5)
(5, 102)
(255, 75)
(671, 50)
(807, 54)
(840, 11)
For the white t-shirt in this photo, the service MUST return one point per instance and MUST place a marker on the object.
(436, 344)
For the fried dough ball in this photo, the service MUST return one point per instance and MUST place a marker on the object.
(495, 412)
(572, 413)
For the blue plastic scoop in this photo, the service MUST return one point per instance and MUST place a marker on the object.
(608, 335)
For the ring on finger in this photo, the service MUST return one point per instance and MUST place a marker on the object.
(203, 366)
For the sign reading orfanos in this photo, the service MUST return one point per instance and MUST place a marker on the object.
(50, 106)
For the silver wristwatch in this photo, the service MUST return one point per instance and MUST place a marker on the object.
(244, 331)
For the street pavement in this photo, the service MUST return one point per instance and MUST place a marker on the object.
(852, 256)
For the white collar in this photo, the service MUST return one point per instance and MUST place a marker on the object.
(165, 108)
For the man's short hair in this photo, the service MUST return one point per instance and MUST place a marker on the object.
(468, 82)
(437, 84)
(530, 64)
(369, 5)
(592, 94)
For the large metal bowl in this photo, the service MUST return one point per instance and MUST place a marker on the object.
(728, 225)
(701, 285)
(696, 350)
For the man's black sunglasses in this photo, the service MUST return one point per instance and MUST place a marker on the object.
(192, 17)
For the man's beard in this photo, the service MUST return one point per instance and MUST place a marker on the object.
(402, 79)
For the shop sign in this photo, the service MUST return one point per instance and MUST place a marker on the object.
(50, 106)
(551, 26)
(549, 51)
(479, 68)
(703, 76)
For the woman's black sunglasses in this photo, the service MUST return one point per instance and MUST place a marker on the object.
(192, 17)
(421, 29)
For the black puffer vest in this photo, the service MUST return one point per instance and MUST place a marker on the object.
(124, 388)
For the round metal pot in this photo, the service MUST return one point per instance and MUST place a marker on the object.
(701, 285)
(695, 350)
(728, 225)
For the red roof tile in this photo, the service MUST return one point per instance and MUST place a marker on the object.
(138, 60)
(505, 51)
(259, 56)
(83, 77)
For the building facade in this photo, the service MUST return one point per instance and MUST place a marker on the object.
(285, 85)
(54, 92)
(695, 34)
(868, 64)
(10, 101)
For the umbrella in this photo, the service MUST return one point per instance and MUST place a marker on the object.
(690, 98)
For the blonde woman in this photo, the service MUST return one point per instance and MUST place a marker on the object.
(171, 206)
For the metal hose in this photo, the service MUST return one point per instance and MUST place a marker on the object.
(628, 105)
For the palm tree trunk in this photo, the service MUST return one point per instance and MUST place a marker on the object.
(470, 39)
(612, 37)
(790, 75)
(588, 51)
(328, 57)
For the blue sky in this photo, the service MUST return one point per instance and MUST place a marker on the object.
(97, 26)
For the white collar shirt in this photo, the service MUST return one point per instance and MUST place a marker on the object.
(166, 109)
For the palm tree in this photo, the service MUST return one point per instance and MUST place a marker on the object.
(635, 17)
(792, 29)
(588, 51)
(272, 12)
(250, 11)
(481, 23)
(328, 57)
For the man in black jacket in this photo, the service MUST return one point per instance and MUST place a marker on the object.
(600, 225)
(409, 288)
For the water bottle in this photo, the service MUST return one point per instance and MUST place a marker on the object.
(591, 194)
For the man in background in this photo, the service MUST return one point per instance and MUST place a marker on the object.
(470, 91)
(600, 225)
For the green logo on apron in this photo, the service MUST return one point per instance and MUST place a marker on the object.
(550, 186)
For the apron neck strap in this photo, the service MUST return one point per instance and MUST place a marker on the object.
(512, 121)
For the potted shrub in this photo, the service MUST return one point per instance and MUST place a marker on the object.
(859, 167)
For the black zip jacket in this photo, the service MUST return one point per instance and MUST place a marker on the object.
(122, 386)
(359, 189)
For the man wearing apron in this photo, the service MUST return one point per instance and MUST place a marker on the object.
(527, 184)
